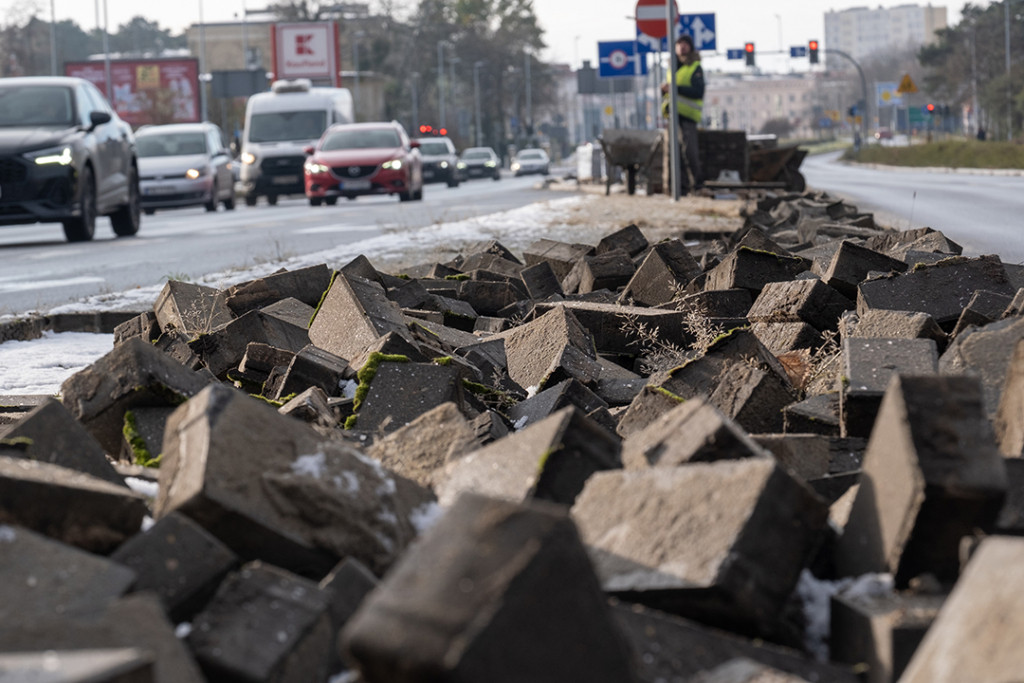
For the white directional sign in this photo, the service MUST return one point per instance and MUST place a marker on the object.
(700, 27)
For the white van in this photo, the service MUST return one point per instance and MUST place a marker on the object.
(279, 125)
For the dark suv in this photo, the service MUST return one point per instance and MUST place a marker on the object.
(440, 161)
(65, 156)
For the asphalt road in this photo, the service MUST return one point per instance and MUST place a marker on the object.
(39, 270)
(983, 213)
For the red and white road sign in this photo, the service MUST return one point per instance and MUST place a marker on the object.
(650, 17)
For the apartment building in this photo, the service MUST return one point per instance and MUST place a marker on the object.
(862, 32)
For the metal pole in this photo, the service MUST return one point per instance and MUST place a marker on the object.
(202, 63)
(106, 56)
(1009, 85)
(245, 37)
(415, 103)
(355, 64)
(53, 39)
(529, 101)
(673, 123)
(476, 101)
(863, 87)
(440, 83)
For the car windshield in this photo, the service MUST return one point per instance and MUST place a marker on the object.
(170, 144)
(281, 126)
(434, 147)
(355, 138)
(531, 155)
(476, 154)
(36, 105)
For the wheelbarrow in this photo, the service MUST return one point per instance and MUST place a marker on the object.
(630, 149)
(770, 162)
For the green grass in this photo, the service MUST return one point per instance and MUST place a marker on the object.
(945, 153)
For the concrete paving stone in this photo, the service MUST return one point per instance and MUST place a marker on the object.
(1011, 517)
(50, 433)
(812, 456)
(548, 460)
(610, 270)
(894, 239)
(391, 344)
(436, 339)
(662, 274)
(881, 323)
(619, 391)
(540, 281)
(411, 294)
(144, 326)
(272, 488)
(880, 630)
(291, 310)
(630, 239)
(489, 297)
(142, 436)
(401, 392)
(986, 353)
(314, 367)
(850, 265)
(752, 269)
(495, 591)
(941, 290)
(175, 345)
(191, 308)
(753, 237)
(626, 330)
(809, 301)
(312, 407)
(135, 621)
(646, 407)
(720, 542)
(223, 348)
(561, 255)
(549, 349)
(818, 414)
(780, 337)
(753, 396)
(868, 364)
(717, 303)
(1009, 418)
(179, 561)
(257, 363)
(46, 577)
(68, 505)
(983, 308)
(305, 284)
(972, 636)
(360, 266)
(569, 392)
(671, 648)
(931, 474)
(353, 315)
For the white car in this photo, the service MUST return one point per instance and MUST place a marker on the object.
(531, 161)
(184, 164)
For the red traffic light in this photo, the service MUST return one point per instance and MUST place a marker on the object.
(930, 107)
(813, 45)
(442, 131)
(749, 47)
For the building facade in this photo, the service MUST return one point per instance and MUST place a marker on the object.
(862, 32)
(748, 102)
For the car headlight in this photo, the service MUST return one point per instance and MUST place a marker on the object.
(53, 155)
(194, 173)
(394, 164)
(443, 164)
(491, 164)
(248, 158)
(515, 166)
(314, 167)
(461, 164)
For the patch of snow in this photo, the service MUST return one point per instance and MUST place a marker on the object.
(7, 534)
(182, 630)
(348, 388)
(347, 482)
(345, 677)
(146, 487)
(312, 465)
(40, 366)
(147, 523)
(816, 595)
(532, 391)
(425, 516)
(520, 423)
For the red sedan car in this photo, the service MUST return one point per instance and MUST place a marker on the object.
(353, 159)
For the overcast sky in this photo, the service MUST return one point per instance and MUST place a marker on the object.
(572, 27)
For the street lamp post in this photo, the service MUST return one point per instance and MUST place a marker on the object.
(202, 62)
(440, 83)
(415, 102)
(355, 61)
(53, 40)
(529, 101)
(476, 101)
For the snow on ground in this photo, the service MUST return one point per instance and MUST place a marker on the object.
(41, 366)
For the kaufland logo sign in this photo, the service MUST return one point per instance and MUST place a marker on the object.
(306, 50)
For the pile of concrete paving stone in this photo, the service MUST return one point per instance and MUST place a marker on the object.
(614, 462)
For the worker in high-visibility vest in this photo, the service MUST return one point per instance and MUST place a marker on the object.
(689, 83)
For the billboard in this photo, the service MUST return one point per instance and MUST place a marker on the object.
(146, 90)
(307, 50)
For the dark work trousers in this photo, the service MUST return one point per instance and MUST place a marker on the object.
(690, 174)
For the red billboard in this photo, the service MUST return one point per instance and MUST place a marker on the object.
(146, 90)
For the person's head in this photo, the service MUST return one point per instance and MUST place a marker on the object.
(684, 48)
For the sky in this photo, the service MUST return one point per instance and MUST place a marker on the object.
(572, 27)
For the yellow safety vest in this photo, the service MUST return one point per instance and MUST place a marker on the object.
(691, 109)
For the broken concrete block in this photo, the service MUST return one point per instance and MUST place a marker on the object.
(649, 404)
(566, 393)
(971, 638)
(256, 365)
(273, 488)
(629, 239)
(143, 435)
(540, 281)
(661, 276)
(497, 592)
(133, 374)
(490, 297)
(721, 542)
(1011, 517)
(179, 561)
(920, 239)
(609, 270)
(136, 621)
(561, 255)
(51, 434)
(809, 301)
(422, 447)
(868, 365)
(812, 456)
(111, 665)
(390, 344)
(692, 431)
(727, 304)
(941, 290)
(314, 367)
(985, 352)
(1009, 419)
(657, 638)
(346, 586)
(751, 269)
(625, 330)
(223, 348)
(305, 284)
(780, 337)
(983, 308)
(44, 577)
(619, 391)
(818, 414)
(68, 505)
(190, 308)
(549, 460)
(550, 349)
(264, 624)
(398, 393)
(881, 630)
(851, 264)
(354, 314)
(143, 326)
(880, 323)
(931, 474)
(312, 406)
(291, 311)
(753, 396)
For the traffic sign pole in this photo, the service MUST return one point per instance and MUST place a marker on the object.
(673, 122)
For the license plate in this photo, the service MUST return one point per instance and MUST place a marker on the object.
(158, 190)
(428, 173)
(284, 180)
(355, 185)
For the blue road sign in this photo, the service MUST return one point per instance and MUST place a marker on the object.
(798, 51)
(700, 27)
(735, 54)
(620, 58)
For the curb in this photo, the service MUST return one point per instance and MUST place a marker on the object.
(99, 322)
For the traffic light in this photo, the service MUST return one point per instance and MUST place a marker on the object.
(930, 108)
(812, 51)
(749, 50)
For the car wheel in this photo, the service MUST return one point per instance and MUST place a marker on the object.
(272, 199)
(149, 212)
(82, 227)
(453, 182)
(405, 196)
(418, 194)
(497, 175)
(229, 203)
(315, 201)
(250, 200)
(125, 221)
(330, 201)
(211, 205)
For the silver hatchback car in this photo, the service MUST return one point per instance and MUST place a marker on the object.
(184, 164)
